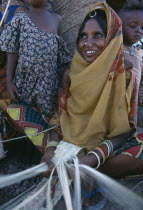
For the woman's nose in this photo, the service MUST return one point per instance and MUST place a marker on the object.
(90, 42)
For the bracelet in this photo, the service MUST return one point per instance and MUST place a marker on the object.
(52, 144)
(108, 148)
(91, 152)
(102, 153)
(111, 145)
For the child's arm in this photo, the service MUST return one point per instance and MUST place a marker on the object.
(128, 65)
(60, 25)
(1, 28)
(11, 67)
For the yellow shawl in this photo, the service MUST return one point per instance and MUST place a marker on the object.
(99, 103)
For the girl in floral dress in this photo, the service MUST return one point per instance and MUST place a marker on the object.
(36, 57)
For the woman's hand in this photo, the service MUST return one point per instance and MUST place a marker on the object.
(12, 91)
(47, 157)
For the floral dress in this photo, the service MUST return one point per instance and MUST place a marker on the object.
(41, 57)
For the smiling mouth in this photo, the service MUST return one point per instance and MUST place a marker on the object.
(90, 52)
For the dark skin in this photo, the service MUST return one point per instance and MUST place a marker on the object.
(49, 153)
(116, 5)
(121, 165)
(12, 60)
(132, 22)
(44, 20)
(89, 160)
(1, 28)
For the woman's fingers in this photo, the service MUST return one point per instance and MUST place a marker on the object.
(48, 155)
(48, 172)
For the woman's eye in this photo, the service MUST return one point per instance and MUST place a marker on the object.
(83, 36)
(98, 35)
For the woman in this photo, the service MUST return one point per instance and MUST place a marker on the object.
(97, 111)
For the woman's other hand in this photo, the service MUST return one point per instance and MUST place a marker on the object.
(12, 91)
(47, 157)
(128, 64)
(89, 160)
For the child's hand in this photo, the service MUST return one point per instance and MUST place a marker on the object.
(12, 91)
(128, 64)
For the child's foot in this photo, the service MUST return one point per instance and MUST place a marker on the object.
(94, 198)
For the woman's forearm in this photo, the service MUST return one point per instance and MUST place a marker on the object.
(54, 139)
(54, 136)
(119, 140)
(104, 150)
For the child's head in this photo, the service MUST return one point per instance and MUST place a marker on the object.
(38, 3)
(132, 20)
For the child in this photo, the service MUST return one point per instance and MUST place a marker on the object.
(36, 57)
(34, 50)
(14, 7)
(132, 20)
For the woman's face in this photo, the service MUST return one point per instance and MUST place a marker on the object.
(91, 41)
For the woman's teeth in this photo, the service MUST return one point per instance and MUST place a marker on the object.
(90, 52)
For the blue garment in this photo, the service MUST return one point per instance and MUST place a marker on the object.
(15, 7)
